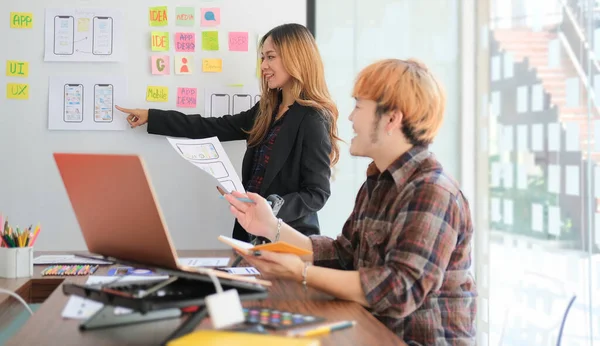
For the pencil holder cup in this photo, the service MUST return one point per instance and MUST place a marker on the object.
(16, 262)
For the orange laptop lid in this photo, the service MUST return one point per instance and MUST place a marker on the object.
(116, 207)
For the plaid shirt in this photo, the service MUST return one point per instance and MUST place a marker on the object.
(409, 237)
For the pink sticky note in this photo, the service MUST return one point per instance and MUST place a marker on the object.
(185, 42)
(238, 41)
(186, 97)
(210, 16)
(161, 65)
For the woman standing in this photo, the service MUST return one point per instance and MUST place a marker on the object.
(291, 132)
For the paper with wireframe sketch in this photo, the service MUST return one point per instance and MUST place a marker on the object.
(208, 155)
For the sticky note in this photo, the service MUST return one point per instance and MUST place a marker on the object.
(238, 41)
(210, 16)
(83, 24)
(16, 68)
(161, 65)
(186, 97)
(160, 41)
(21, 20)
(17, 91)
(210, 40)
(185, 42)
(158, 16)
(185, 16)
(184, 64)
(157, 94)
(212, 65)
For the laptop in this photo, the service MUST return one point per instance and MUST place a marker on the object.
(119, 215)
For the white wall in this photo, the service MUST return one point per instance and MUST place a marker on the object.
(363, 31)
(31, 189)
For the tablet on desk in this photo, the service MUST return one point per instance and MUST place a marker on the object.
(280, 246)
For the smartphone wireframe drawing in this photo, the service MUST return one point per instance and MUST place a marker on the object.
(103, 103)
(64, 35)
(219, 105)
(256, 99)
(102, 39)
(73, 103)
(241, 102)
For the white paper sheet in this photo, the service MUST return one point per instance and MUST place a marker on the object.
(204, 262)
(86, 103)
(80, 308)
(84, 34)
(67, 259)
(208, 155)
(241, 270)
(229, 100)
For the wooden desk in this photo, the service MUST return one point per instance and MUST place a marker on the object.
(47, 324)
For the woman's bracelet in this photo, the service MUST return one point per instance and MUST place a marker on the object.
(278, 230)
(304, 272)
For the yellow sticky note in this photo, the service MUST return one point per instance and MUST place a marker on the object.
(212, 65)
(83, 24)
(21, 20)
(158, 16)
(16, 68)
(17, 91)
(160, 41)
(157, 94)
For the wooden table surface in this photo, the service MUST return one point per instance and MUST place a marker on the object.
(47, 326)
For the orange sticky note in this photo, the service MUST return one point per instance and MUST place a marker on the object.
(212, 65)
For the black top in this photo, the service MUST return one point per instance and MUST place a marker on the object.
(298, 169)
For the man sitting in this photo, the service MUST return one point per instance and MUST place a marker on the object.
(405, 251)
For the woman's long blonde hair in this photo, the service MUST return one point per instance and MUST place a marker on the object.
(302, 61)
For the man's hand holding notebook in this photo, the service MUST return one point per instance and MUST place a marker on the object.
(281, 247)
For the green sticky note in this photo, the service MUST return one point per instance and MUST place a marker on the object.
(185, 16)
(210, 40)
(158, 16)
(160, 41)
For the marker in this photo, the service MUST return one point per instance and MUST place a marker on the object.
(326, 329)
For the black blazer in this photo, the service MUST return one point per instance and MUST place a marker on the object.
(299, 169)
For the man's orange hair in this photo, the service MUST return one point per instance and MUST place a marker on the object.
(409, 87)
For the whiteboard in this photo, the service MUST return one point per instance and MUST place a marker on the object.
(31, 190)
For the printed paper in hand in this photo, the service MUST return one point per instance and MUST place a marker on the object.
(208, 155)
(80, 308)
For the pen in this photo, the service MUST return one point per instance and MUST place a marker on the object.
(241, 199)
(326, 329)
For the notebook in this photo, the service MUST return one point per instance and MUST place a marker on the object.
(279, 246)
(219, 338)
